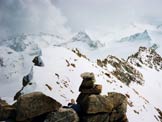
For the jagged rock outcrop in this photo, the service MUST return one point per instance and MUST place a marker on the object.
(26, 80)
(146, 57)
(34, 104)
(38, 61)
(122, 70)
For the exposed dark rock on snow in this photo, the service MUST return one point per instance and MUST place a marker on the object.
(26, 80)
(146, 57)
(38, 61)
(122, 70)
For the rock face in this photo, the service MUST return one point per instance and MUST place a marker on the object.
(146, 57)
(38, 61)
(122, 70)
(6, 111)
(34, 104)
(98, 108)
(63, 115)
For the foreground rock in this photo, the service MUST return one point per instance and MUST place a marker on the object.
(63, 115)
(98, 104)
(6, 111)
(34, 104)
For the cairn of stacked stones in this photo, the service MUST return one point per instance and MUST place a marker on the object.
(99, 108)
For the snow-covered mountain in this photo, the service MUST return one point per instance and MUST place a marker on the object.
(126, 46)
(13, 66)
(147, 57)
(82, 41)
(59, 78)
(31, 43)
(144, 36)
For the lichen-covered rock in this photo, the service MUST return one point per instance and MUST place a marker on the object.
(119, 102)
(102, 117)
(97, 104)
(118, 117)
(6, 111)
(34, 104)
(63, 115)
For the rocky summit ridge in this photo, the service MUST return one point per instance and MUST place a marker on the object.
(90, 107)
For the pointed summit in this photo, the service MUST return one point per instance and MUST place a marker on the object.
(144, 36)
(81, 36)
(85, 38)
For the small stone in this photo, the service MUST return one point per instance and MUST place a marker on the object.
(88, 75)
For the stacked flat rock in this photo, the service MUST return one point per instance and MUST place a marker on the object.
(100, 108)
(87, 88)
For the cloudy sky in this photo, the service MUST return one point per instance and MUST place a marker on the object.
(90, 13)
(66, 16)
(31, 16)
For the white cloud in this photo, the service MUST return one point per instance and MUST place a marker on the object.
(110, 15)
(31, 16)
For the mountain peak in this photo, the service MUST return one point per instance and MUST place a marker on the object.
(81, 36)
(85, 38)
(144, 36)
(146, 57)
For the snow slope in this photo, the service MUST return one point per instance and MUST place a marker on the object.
(149, 63)
(13, 66)
(60, 79)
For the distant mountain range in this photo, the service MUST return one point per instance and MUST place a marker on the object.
(144, 36)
